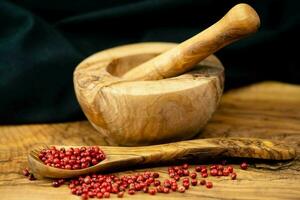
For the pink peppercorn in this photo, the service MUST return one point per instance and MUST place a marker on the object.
(131, 192)
(209, 184)
(185, 166)
(181, 189)
(155, 175)
(106, 195)
(99, 195)
(193, 175)
(213, 167)
(220, 173)
(145, 189)
(31, 177)
(120, 194)
(84, 196)
(202, 182)
(203, 170)
(166, 190)
(214, 172)
(157, 183)
(55, 184)
(244, 165)
(186, 172)
(230, 169)
(225, 172)
(233, 175)
(26, 172)
(159, 189)
(194, 182)
(186, 185)
(152, 191)
(198, 168)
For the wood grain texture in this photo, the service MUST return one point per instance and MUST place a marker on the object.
(268, 110)
(196, 149)
(132, 113)
(136, 94)
(239, 22)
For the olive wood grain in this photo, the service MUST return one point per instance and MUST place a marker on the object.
(132, 95)
(132, 113)
(238, 23)
(118, 157)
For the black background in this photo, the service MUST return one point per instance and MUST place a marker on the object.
(41, 42)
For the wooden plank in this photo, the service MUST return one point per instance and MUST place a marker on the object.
(266, 110)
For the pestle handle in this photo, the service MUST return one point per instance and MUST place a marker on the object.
(240, 21)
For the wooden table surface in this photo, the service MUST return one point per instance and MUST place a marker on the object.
(265, 110)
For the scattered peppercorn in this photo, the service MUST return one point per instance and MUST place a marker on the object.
(26, 172)
(203, 170)
(202, 182)
(131, 192)
(185, 166)
(198, 168)
(55, 184)
(159, 189)
(166, 190)
(204, 175)
(225, 172)
(145, 189)
(152, 191)
(155, 175)
(186, 185)
(194, 182)
(213, 167)
(31, 177)
(209, 184)
(193, 175)
(244, 165)
(102, 186)
(61, 181)
(230, 169)
(84, 196)
(214, 172)
(157, 183)
(120, 195)
(181, 189)
(99, 195)
(233, 175)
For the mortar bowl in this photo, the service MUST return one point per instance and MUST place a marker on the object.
(134, 113)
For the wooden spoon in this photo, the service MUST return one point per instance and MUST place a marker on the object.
(118, 157)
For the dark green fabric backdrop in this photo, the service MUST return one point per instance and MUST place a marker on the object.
(42, 41)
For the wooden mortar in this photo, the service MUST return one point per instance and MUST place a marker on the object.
(151, 93)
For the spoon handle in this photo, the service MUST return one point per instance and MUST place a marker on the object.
(230, 147)
(239, 22)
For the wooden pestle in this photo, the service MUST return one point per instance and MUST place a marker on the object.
(239, 22)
